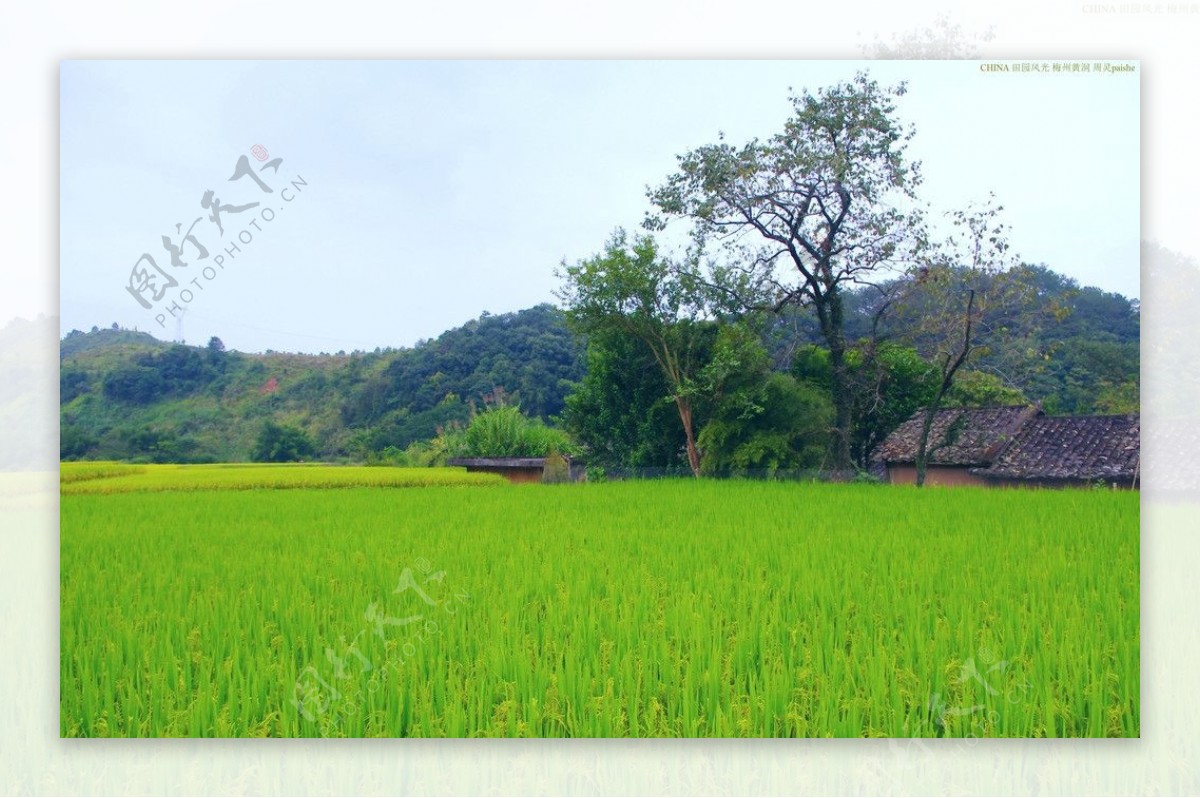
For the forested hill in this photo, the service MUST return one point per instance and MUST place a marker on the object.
(126, 395)
(1077, 349)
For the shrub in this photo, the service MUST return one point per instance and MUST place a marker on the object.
(279, 443)
(74, 443)
(506, 432)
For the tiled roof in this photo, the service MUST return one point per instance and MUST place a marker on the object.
(507, 462)
(1072, 447)
(959, 436)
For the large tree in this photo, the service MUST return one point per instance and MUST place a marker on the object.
(622, 409)
(760, 420)
(630, 289)
(889, 383)
(827, 203)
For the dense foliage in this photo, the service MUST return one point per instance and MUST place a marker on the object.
(1076, 349)
(798, 218)
(281, 443)
(125, 395)
(761, 421)
(630, 290)
(621, 411)
(505, 431)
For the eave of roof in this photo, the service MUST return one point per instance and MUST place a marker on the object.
(498, 462)
(1072, 448)
(958, 436)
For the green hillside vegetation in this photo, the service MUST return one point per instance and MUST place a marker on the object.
(125, 395)
(1077, 350)
(760, 392)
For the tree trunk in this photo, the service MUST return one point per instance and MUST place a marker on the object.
(842, 406)
(923, 443)
(685, 415)
(829, 314)
(950, 368)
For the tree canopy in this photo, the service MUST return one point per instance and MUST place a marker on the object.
(282, 443)
(801, 217)
(630, 289)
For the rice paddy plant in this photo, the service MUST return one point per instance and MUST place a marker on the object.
(86, 478)
(82, 471)
(649, 609)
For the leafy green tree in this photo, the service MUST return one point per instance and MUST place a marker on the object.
(783, 424)
(71, 383)
(1119, 399)
(630, 289)
(761, 421)
(281, 443)
(1088, 367)
(134, 384)
(215, 355)
(621, 410)
(826, 203)
(152, 376)
(980, 389)
(1029, 359)
(889, 382)
(159, 444)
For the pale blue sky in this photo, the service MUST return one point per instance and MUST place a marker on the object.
(437, 190)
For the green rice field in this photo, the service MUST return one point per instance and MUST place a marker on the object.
(304, 601)
(80, 478)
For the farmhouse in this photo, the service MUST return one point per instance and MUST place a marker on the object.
(1009, 446)
(960, 439)
(1072, 450)
(518, 469)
